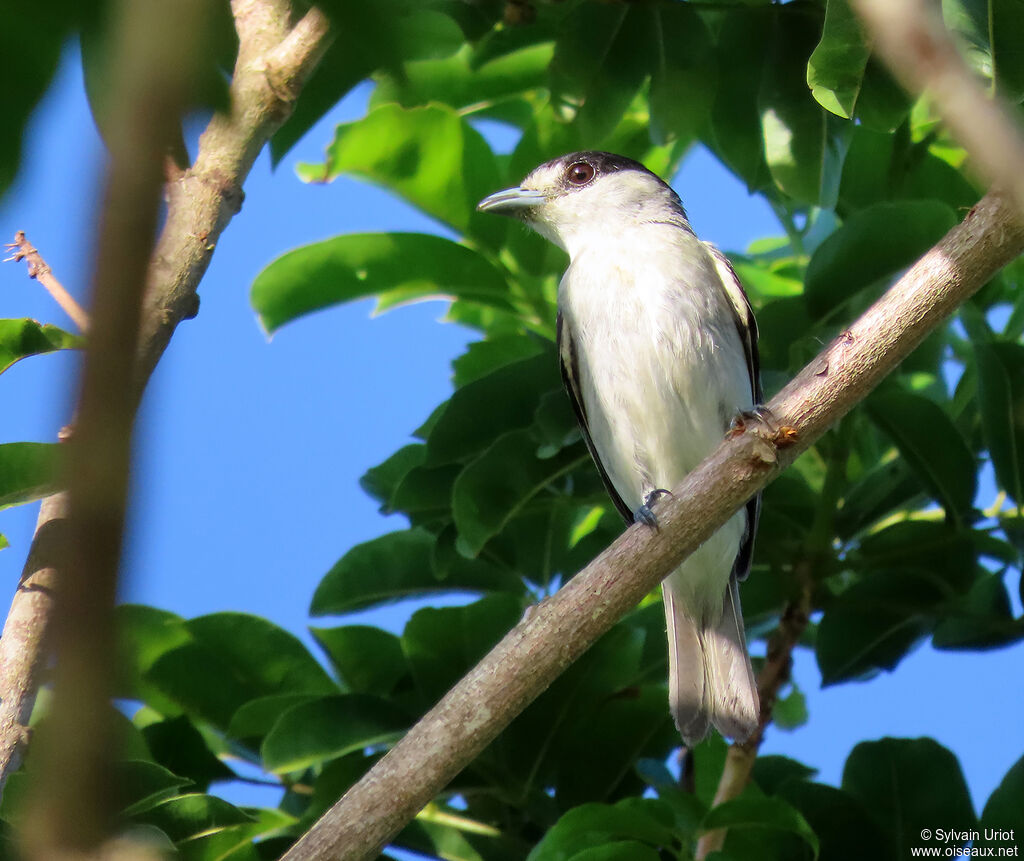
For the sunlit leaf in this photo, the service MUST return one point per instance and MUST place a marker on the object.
(394, 267)
(28, 471)
(836, 68)
(22, 338)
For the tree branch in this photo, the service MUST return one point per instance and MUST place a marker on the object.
(914, 43)
(563, 626)
(273, 63)
(40, 270)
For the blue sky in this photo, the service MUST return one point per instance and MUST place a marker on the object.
(249, 453)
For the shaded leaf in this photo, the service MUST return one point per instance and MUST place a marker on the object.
(983, 620)
(1001, 401)
(908, 785)
(380, 481)
(396, 566)
(22, 338)
(28, 470)
(479, 412)
(368, 660)
(874, 623)
(494, 487)
(646, 821)
(256, 718)
(189, 816)
(685, 62)
(394, 267)
(329, 727)
(931, 444)
(442, 643)
(840, 821)
(142, 785)
(771, 813)
(792, 123)
(1004, 811)
(872, 244)
(1005, 26)
(835, 69)
(178, 746)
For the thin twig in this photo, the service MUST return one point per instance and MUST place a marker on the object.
(41, 271)
(563, 626)
(911, 38)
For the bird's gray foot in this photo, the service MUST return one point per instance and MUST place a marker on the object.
(644, 514)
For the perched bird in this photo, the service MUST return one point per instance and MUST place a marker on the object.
(658, 349)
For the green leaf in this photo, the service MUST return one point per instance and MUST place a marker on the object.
(257, 717)
(619, 850)
(430, 156)
(481, 411)
(736, 134)
(1001, 401)
(772, 772)
(983, 620)
(395, 267)
(685, 63)
(189, 816)
(908, 785)
(874, 623)
(600, 64)
(143, 635)
(364, 37)
(931, 444)
(792, 123)
(874, 243)
(496, 486)
(484, 357)
(840, 821)
(462, 82)
(442, 643)
(771, 813)
(368, 660)
(397, 566)
(836, 68)
(1005, 25)
(790, 711)
(142, 785)
(264, 655)
(381, 481)
(329, 727)
(1004, 812)
(22, 338)
(642, 820)
(178, 746)
(28, 471)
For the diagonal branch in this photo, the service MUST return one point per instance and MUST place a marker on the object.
(39, 269)
(563, 626)
(274, 61)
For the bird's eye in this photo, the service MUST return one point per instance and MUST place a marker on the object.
(580, 173)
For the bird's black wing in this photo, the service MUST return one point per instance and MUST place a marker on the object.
(746, 326)
(569, 362)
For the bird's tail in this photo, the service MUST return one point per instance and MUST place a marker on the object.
(711, 682)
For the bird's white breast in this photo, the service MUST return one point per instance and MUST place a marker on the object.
(662, 369)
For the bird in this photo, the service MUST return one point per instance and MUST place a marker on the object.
(657, 344)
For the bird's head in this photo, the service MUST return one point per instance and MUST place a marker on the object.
(588, 196)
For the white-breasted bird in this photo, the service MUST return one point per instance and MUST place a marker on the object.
(658, 349)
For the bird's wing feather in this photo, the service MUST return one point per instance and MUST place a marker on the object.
(571, 378)
(746, 325)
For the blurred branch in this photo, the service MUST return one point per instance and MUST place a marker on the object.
(275, 59)
(563, 626)
(915, 44)
(41, 271)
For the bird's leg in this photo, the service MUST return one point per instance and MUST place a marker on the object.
(644, 514)
(762, 421)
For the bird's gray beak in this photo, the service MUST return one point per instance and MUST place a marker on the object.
(511, 201)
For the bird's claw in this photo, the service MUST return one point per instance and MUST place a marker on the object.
(762, 421)
(644, 514)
